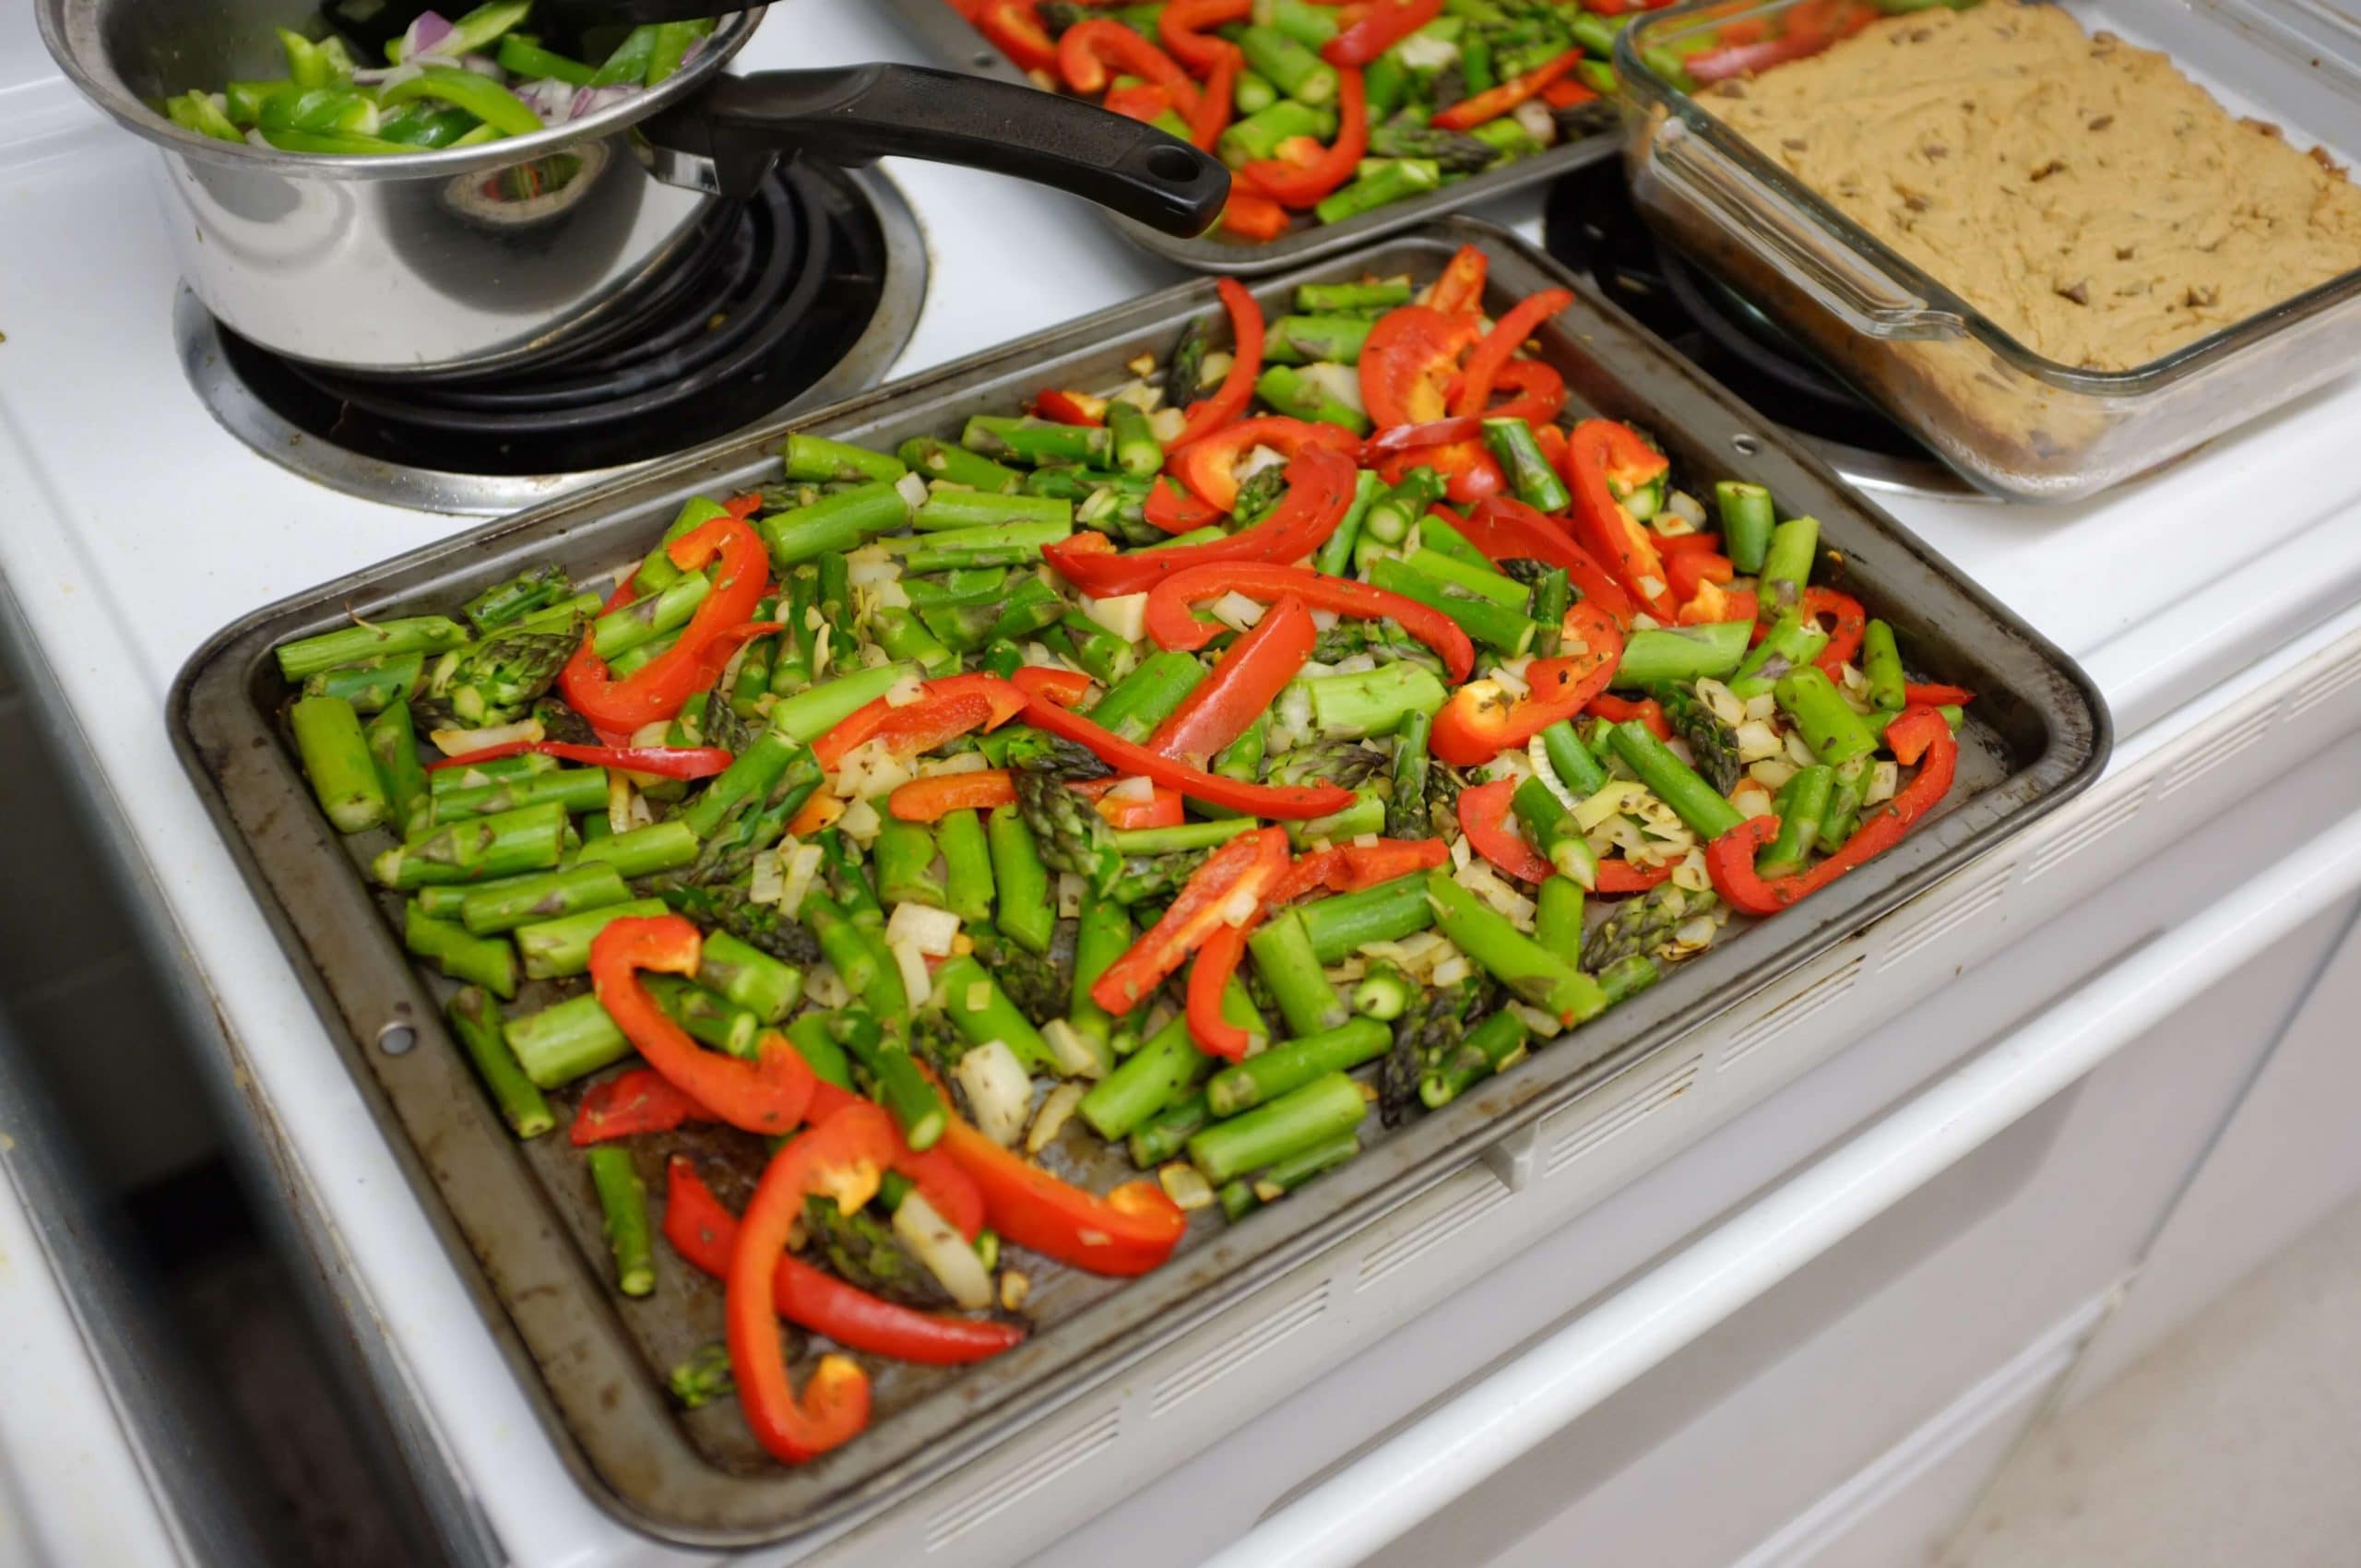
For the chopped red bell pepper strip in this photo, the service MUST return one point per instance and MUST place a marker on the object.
(947, 707)
(1088, 48)
(1490, 105)
(1501, 344)
(1209, 465)
(658, 689)
(1380, 26)
(1065, 408)
(929, 800)
(1242, 685)
(1164, 808)
(743, 507)
(1171, 622)
(665, 762)
(1567, 92)
(1406, 360)
(1478, 724)
(1366, 865)
(1674, 545)
(1621, 876)
(1409, 437)
(1714, 603)
(1460, 290)
(1472, 473)
(1539, 393)
(1729, 860)
(1183, 25)
(931, 1172)
(1320, 491)
(642, 1100)
(1687, 571)
(1303, 185)
(1129, 1231)
(1849, 621)
(1912, 733)
(1250, 216)
(705, 1234)
(1217, 959)
(1065, 687)
(1174, 510)
(1284, 802)
(767, 1095)
(1144, 101)
(1485, 822)
(1616, 710)
(842, 1157)
(1211, 117)
(1014, 28)
(1505, 529)
(1598, 451)
(1236, 390)
(1932, 696)
(1242, 870)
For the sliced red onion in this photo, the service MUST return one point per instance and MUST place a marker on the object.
(420, 37)
(588, 100)
(482, 65)
(389, 75)
(550, 99)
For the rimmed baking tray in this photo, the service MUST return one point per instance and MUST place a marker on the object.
(953, 43)
(521, 1220)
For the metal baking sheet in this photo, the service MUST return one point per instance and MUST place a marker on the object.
(520, 1220)
(953, 43)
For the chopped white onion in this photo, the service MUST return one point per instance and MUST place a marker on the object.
(825, 987)
(590, 100)
(911, 688)
(1691, 875)
(937, 1243)
(860, 822)
(802, 865)
(767, 884)
(1538, 123)
(1214, 367)
(1762, 706)
(1236, 611)
(1185, 1185)
(1771, 773)
(1885, 777)
(1071, 1054)
(1167, 424)
(1756, 741)
(1452, 970)
(929, 930)
(1685, 506)
(918, 980)
(459, 743)
(1720, 701)
(913, 489)
(998, 1088)
(1071, 891)
(1056, 1110)
(1124, 614)
(1138, 787)
(1799, 752)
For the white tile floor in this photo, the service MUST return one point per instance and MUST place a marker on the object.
(2238, 1441)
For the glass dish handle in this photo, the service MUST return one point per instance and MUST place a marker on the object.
(1840, 280)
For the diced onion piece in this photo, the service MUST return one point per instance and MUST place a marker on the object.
(1762, 706)
(802, 866)
(1013, 1286)
(1541, 1022)
(911, 688)
(1691, 875)
(1424, 53)
(1138, 392)
(1071, 1054)
(619, 799)
(1612, 800)
(1166, 424)
(1771, 773)
(1885, 777)
(1720, 701)
(1756, 741)
(825, 987)
(1070, 892)
(1538, 121)
(1141, 364)
(1125, 615)
(1184, 1184)
(459, 743)
(999, 1090)
(1452, 970)
(1139, 787)
(958, 762)
(768, 882)
(929, 930)
(1214, 367)
(1460, 853)
(1236, 611)
(1342, 382)
(917, 978)
(913, 489)
(937, 1243)
(1693, 935)
(1681, 504)
(1799, 751)
(1751, 798)
(1324, 620)
(1056, 1110)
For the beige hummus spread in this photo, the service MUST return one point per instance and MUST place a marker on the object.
(2093, 201)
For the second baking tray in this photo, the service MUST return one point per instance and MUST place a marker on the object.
(953, 43)
(521, 1220)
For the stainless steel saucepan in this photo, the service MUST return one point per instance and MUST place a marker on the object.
(432, 260)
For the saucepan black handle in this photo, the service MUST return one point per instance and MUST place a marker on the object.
(726, 137)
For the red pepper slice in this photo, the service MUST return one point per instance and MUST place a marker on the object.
(1460, 290)
(1237, 390)
(929, 800)
(1566, 93)
(946, 1186)
(1284, 802)
(1249, 865)
(665, 762)
(1211, 117)
(1249, 216)
(1208, 467)
(642, 1100)
(1174, 510)
(1713, 603)
(1931, 696)
(658, 688)
(1171, 622)
(1014, 28)
(1674, 545)
(1144, 101)
(1088, 48)
(1366, 865)
(1242, 685)
(1505, 529)
(1320, 491)
(1410, 438)
(1687, 571)
(767, 1095)
(947, 708)
(1065, 408)
(1490, 105)
(1491, 829)
(1540, 394)
(704, 1234)
(1476, 726)
(1599, 450)
(1406, 360)
(1623, 876)
(842, 1157)
(1381, 25)
(1163, 809)
(1845, 635)
(1501, 344)
(1302, 185)
(1730, 858)
(1616, 710)
(1129, 1231)
(1183, 24)
(1913, 732)
(1209, 976)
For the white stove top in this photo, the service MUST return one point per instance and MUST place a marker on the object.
(132, 527)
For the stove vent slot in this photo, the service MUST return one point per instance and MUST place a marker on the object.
(1591, 1137)
(2222, 749)
(1021, 1481)
(1234, 1351)
(1948, 916)
(2327, 686)
(2081, 834)
(1452, 1214)
(1796, 1009)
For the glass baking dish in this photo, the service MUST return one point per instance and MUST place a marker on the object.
(2013, 422)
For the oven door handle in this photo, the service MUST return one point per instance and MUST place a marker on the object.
(1420, 1469)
